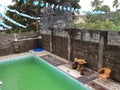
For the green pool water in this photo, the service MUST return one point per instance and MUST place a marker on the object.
(33, 73)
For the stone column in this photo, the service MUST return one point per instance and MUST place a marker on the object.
(69, 45)
(51, 40)
(102, 43)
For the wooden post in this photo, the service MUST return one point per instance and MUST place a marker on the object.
(102, 43)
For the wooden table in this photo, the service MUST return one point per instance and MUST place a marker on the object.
(79, 63)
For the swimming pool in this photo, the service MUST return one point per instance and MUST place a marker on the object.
(33, 73)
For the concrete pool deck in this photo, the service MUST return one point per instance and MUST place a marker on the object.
(89, 78)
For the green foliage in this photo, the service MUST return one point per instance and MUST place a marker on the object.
(27, 8)
(2, 33)
(100, 25)
(73, 3)
(90, 18)
(115, 17)
(97, 25)
(96, 3)
(108, 21)
(76, 25)
(116, 3)
(32, 10)
(109, 25)
(105, 8)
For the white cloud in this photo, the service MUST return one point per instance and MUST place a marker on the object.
(4, 2)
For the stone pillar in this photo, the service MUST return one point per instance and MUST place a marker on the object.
(51, 39)
(69, 45)
(102, 43)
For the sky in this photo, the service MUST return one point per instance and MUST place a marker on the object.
(4, 2)
(85, 4)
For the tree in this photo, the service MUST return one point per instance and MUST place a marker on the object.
(91, 18)
(100, 25)
(74, 3)
(116, 3)
(32, 10)
(104, 8)
(100, 21)
(27, 8)
(96, 3)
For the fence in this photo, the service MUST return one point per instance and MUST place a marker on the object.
(98, 48)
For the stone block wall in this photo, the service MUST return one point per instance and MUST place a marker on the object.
(112, 60)
(6, 44)
(87, 51)
(88, 48)
(46, 41)
(60, 46)
(9, 46)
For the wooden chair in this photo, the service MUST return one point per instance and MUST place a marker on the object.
(104, 73)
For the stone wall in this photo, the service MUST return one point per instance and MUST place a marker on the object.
(46, 41)
(60, 46)
(85, 45)
(112, 60)
(87, 51)
(6, 44)
(9, 46)
(80, 49)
